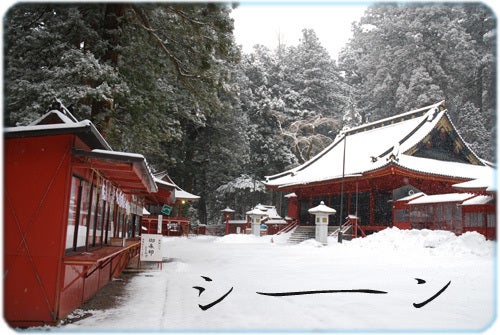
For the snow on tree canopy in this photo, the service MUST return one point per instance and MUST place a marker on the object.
(243, 182)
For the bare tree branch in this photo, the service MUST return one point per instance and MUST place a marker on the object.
(304, 137)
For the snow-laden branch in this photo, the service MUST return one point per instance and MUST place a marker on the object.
(241, 183)
(143, 22)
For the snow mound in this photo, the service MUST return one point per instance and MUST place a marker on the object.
(280, 238)
(472, 243)
(445, 242)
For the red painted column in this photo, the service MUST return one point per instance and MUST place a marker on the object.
(293, 207)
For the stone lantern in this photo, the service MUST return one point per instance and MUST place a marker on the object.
(321, 212)
(227, 212)
(256, 215)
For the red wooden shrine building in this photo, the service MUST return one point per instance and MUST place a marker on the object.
(456, 212)
(170, 194)
(368, 168)
(72, 211)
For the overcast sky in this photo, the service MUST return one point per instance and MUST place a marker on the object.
(267, 22)
(261, 23)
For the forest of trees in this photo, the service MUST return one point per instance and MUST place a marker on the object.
(167, 80)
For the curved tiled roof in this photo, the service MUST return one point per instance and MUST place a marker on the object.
(376, 145)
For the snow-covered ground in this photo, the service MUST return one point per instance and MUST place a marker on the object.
(239, 266)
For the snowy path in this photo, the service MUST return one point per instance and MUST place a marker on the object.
(389, 261)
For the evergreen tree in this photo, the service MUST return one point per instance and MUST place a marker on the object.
(314, 86)
(55, 51)
(407, 56)
(299, 100)
(268, 150)
(152, 76)
(476, 132)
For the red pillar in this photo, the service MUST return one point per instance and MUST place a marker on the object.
(293, 208)
(372, 209)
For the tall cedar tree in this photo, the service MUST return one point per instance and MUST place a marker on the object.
(406, 56)
(150, 76)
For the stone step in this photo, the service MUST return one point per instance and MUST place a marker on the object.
(302, 233)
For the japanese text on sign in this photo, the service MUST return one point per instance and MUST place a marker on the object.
(151, 247)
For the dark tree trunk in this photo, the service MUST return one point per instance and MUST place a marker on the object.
(113, 13)
(102, 109)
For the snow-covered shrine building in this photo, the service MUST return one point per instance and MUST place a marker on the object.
(174, 197)
(371, 167)
(72, 219)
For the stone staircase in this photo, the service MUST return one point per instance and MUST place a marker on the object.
(302, 233)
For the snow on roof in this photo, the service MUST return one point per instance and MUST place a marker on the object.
(478, 200)
(120, 154)
(35, 127)
(84, 129)
(140, 172)
(275, 221)
(272, 213)
(268, 212)
(57, 122)
(322, 208)
(492, 189)
(129, 156)
(412, 196)
(256, 211)
(262, 207)
(163, 182)
(228, 210)
(443, 168)
(449, 197)
(392, 119)
(54, 117)
(363, 145)
(180, 194)
(369, 147)
(184, 195)
(486, 182)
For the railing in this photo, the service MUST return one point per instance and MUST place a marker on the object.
(348, 224)
(345, 226)
(171, 226)
(288, 227)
